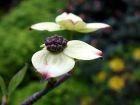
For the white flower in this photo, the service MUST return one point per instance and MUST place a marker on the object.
(69, 21)
(50, 64)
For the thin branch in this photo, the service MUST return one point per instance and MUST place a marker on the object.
(50, 86)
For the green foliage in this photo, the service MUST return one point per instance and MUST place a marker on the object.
(3, 86)
(136, 75)
(69, 93)
(16, 80)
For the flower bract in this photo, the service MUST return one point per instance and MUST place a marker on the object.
(52, 62)
(69, 21)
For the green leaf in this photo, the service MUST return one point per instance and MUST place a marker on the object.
(16, 80)
(3, 86)
(136, 75)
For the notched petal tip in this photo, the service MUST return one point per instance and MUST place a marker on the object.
(100, 54)
(91, 27)
(45, 76)
(105, 25)
(97, 25)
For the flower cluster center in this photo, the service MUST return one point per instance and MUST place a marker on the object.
(56, 44)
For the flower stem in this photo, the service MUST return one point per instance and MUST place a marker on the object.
(4, 100)
(50, 86)
(71, 35)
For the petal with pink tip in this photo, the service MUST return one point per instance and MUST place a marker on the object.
(52, 65)
(49, 26)
(91, 27)
(81, 50)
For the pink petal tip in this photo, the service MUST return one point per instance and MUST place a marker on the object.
(46, 75)
(100, 54)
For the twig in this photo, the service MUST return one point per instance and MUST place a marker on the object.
(50, 86)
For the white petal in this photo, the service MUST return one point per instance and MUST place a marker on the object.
(90, 27)
(79, 25)
(49, 26)
(81, 50)
(61, 17)
(68, 16)
(74, 18)
(52, 65)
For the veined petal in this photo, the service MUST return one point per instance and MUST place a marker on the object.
(90, 27)
(49, 26)
(81, 50)
(52, 65)
(67, 16)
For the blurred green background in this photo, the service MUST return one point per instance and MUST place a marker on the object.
(113, 80)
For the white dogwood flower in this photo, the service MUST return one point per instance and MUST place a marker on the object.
(69, 21)
(57, 57)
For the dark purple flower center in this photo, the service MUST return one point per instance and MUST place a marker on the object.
(56, 44)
